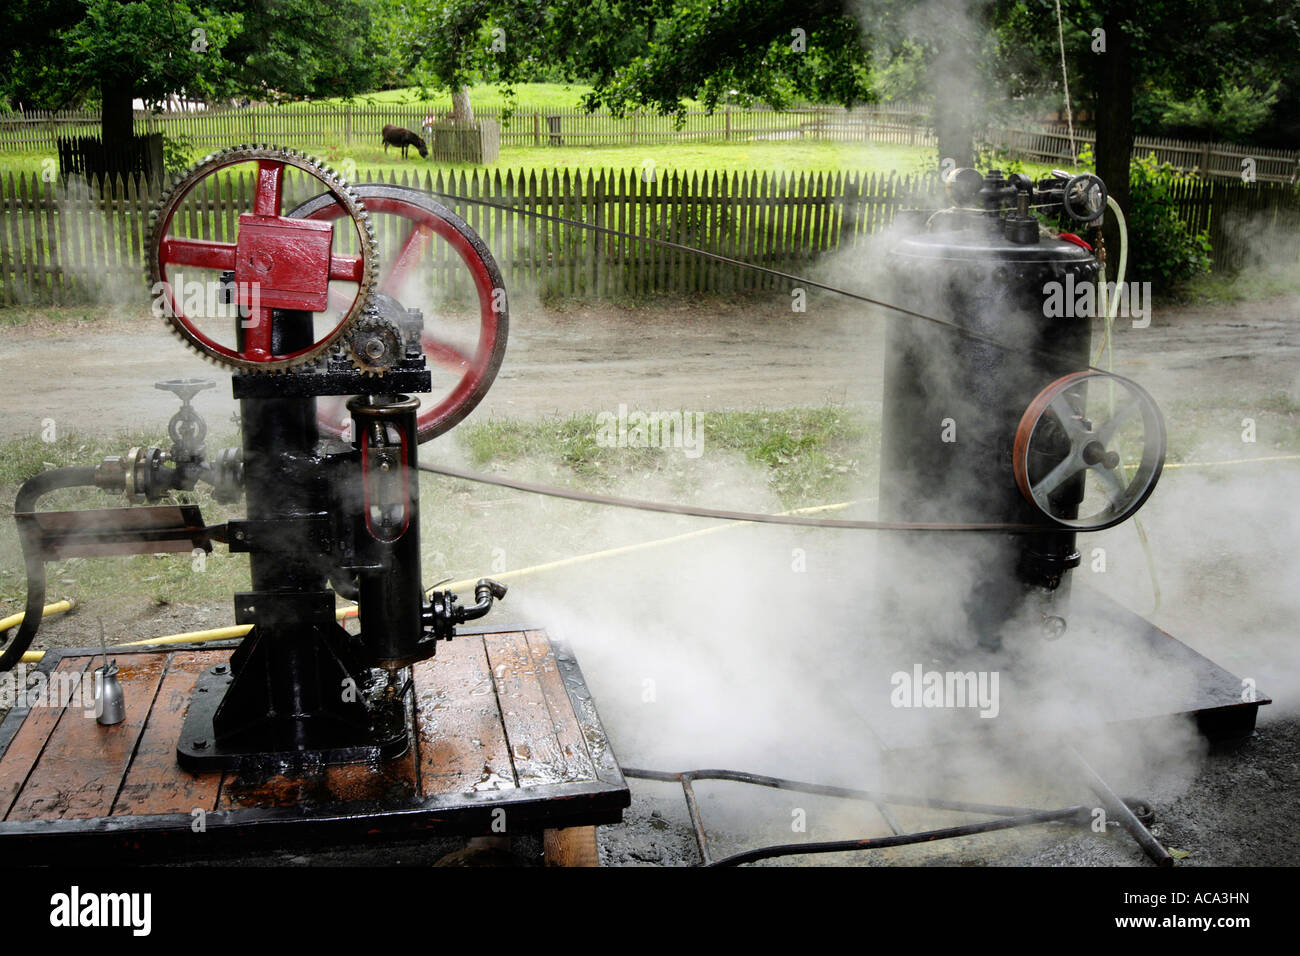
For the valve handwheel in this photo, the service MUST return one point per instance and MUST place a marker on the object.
(1089, 461)
(472, 373)
(278, 262)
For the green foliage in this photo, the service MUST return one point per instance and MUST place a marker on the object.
(1232, 113)
(291, 49)
(1161, 248)
(178, 152)
(60, 53)
(656, 54)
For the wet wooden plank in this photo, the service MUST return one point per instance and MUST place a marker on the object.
(243, 793)
(393, 781)
(568, 732)
(534, 747)
(81, 769)
(26, 746)
(154, 783)
(390, 782)
(462, 744)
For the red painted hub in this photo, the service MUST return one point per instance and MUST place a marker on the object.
(474, 373)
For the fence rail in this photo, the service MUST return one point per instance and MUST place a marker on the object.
(1053, 144)
(72, 242)
(317, 125)
(63, 243)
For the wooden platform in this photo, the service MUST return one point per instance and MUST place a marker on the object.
(505, 732)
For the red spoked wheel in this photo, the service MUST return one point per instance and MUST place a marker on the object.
(278, 262)
(467, 374)
(1089, 450)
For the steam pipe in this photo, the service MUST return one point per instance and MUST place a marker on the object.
(32, 490)
(485, 592)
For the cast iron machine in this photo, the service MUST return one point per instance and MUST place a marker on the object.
(332, 502)
(1002, 419)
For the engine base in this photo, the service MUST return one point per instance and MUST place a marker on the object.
(505, 739)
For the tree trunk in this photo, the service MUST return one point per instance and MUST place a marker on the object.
(954, 82)
(1114, 122)
(462, 114)
(955, 131)
(117, 119)
(117, 124)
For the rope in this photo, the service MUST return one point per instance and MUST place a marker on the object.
(741, 264)
(1065, 80)
(797, 520)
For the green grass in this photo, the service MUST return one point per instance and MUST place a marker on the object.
(1246, 286)
(788, 156)
(482, 96)
(803, 455)
(781, 156)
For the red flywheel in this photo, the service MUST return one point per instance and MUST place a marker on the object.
(462, 375)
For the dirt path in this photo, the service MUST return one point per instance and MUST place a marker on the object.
(702, 357)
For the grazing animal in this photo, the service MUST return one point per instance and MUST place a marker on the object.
(396, 136)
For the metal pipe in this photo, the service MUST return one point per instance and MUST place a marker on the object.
(1118, 809)
(1068, 814)
(29, 494)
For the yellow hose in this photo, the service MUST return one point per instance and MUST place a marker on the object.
(343, 613)
(629, 548)
(58, 607)
(189, 637)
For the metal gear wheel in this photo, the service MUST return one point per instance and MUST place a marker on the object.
(375, 345)
(254, 354)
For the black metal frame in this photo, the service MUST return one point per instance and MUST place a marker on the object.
(1135, 816)
(169, 836)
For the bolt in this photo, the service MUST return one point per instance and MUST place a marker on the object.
(1053, 627)
(220, 668)
(200, 743)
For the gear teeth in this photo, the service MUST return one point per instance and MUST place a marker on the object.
(176, 191)
(372, 324)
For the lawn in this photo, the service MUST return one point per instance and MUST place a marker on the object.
(803, 455)
(756, 156)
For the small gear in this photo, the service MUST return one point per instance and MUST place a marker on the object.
(162, 250)
(375, 345)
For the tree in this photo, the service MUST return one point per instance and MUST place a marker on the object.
(70, 51)
(1120, 52)
(296, 49)
(655, 53)
(63, 53)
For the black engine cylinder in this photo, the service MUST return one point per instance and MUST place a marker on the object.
(952, 405)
